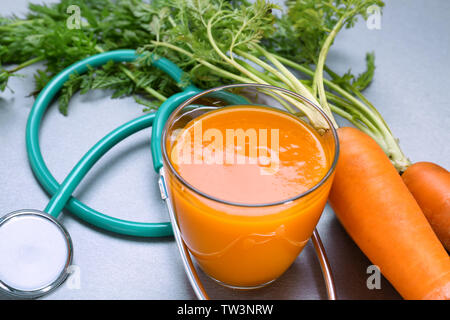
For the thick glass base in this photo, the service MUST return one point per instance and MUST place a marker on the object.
(242, 287)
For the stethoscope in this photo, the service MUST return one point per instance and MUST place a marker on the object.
(36, 250)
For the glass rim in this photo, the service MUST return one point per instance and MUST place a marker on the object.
(240, 204)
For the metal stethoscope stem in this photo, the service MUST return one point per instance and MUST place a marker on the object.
(188, 264)
(189, 267)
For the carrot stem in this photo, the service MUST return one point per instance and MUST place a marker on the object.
(390, 145)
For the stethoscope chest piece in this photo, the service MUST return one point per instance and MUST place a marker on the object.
(35, 253)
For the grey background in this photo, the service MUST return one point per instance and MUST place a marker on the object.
(411, 90)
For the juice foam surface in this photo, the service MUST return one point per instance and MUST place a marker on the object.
(294, 165)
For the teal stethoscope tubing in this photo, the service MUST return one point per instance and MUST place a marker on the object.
(62, 194)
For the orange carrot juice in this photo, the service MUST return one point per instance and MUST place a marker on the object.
(246, 188)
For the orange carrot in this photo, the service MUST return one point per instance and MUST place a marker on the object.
(383, 218)
(430, 186)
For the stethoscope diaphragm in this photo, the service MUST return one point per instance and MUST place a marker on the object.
(35, 253)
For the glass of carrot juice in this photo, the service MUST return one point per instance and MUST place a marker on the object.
(248, 169)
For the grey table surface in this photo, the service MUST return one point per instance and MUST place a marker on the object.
(411, 89)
